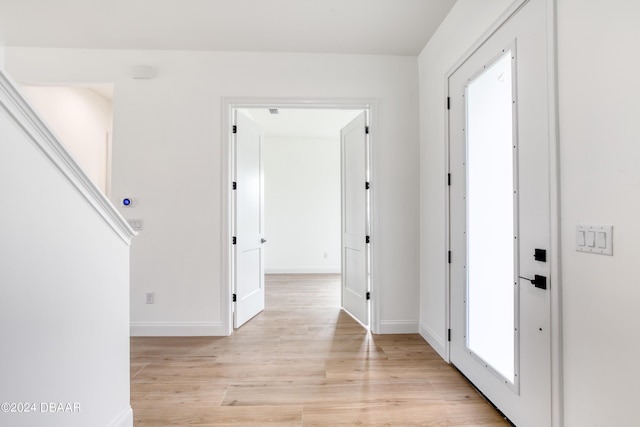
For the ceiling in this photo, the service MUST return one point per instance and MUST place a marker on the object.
(386, 27)
(301, 122)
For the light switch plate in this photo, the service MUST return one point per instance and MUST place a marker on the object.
(136, 224)
(595, 239)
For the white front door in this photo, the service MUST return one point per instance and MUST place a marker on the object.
(500, 218)
(249, 221)
(353, 152)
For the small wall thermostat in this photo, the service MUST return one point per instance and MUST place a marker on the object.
(126, 202)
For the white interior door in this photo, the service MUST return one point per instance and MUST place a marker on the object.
(249, 221)
(353, 149)
(500, 215)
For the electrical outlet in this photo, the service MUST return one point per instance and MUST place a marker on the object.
(150, 297)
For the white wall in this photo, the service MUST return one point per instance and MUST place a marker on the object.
(302, 204)
(64, 310)
(81, 119)
(599, 179)
(167, 147)
(446, 47)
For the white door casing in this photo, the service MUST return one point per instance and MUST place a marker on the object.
(527, 400)
(353, 154)
(249, 221)
(228, 250)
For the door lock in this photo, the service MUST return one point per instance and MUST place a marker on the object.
(540, 255)
(539, 282)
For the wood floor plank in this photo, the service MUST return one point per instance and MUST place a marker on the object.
(301, 362)
(188, 393)
(328, 392)
(395, 414)
(256, 416)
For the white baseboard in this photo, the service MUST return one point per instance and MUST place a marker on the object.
(398, 327)
(178, 329)
(434, 341)
(125, 419)
(310, 270)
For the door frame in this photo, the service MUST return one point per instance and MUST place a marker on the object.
(229, 104)
(554, 194)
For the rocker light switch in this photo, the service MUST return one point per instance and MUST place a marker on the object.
(595, 239)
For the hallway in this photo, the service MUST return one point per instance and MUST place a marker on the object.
(300, 362)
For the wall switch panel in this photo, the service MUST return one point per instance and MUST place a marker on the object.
(136, 224)
(595, 239)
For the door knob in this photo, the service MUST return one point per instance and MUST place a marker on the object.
(263, 240)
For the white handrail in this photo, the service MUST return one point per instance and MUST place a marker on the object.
(39, 133)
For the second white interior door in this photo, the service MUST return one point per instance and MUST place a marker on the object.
(353, 149)
(249, 221)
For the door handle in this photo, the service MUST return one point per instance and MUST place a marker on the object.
(263, 240)
(539, 282)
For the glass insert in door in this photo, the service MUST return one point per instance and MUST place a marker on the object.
(491, 218)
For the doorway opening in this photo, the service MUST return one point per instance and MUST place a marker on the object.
(82, 117)
(303, 229)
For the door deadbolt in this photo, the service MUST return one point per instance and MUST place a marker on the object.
(540, 255)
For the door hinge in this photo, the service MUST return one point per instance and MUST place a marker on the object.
(449, 335)
(368, 295)
(366, 130)
(235, 185)
(448, 179)
(234, 129)
(234, 240)
(448, 103)
(449, 257)
(234, 298)
(368, 239)
(367, 186)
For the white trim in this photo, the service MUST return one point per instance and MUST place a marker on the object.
(310, 270)
(557, 387)
(230, 103)
(399, 327)
(125, 419)
(35, 128)
(439, 345)
(108, 176)
(447, 226)
(508, 13)
(557, 415)
(177, 329)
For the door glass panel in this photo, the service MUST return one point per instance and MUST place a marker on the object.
(490, 218)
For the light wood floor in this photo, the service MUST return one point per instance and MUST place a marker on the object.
(300, 362)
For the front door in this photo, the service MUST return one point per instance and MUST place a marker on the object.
(500, 218)
(249, 221)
